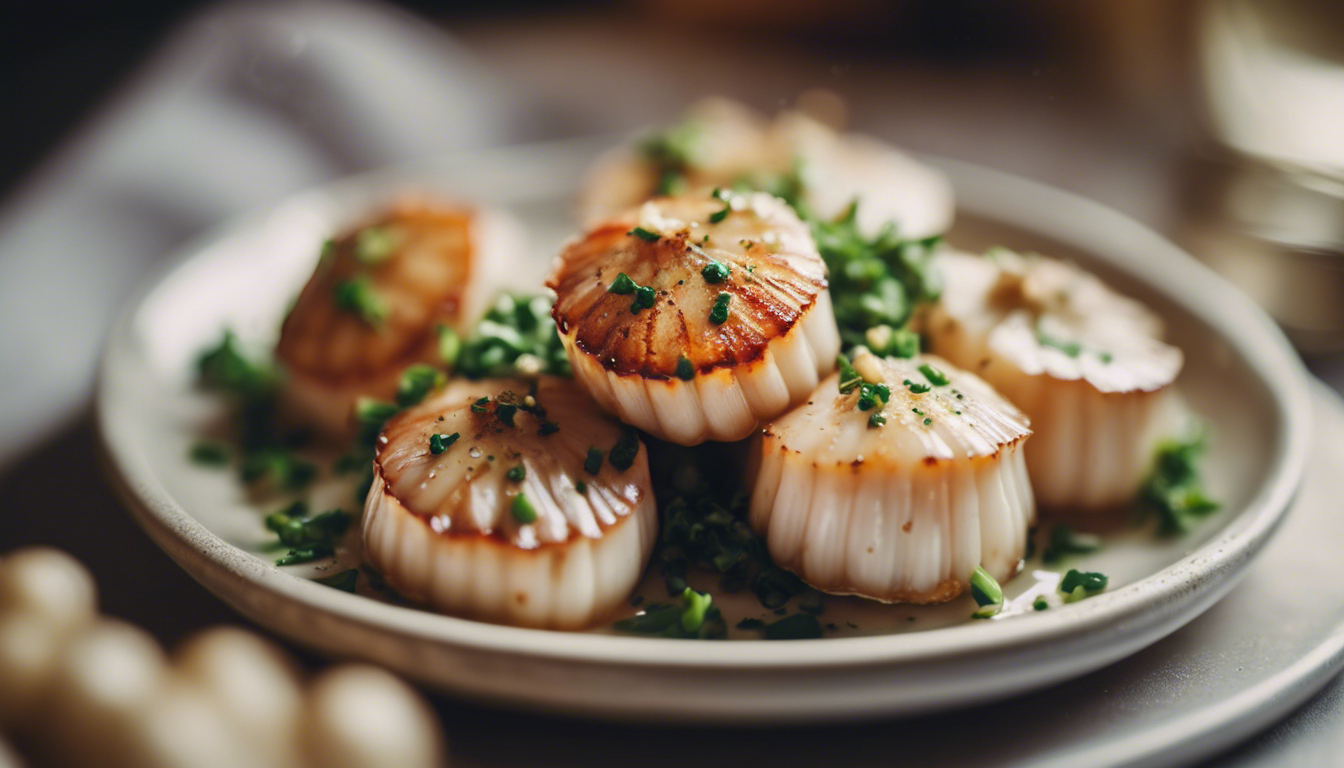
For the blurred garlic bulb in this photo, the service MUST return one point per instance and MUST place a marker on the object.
(697, 317)
(30, 648)
(897, 487)
(493, 499)
(720, 142)
(376, 301)
(1086, 364)
(362, 717)
(48, 583)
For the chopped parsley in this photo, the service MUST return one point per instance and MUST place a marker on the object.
(916, 387)
(581, 487)
(522, 509)
(876, 420)
(623, 453)
(645, 297)
(697, 618)
(645, 235)
(440, 443)
(685, 369)
(516, 337)
(715, 272)
(718, 216)
(986, 592)
(886, 341)
(278, 468)
(1174, 489)
(871, 394)
(670, 152)
(719, 313)
(622, 285)
(309, 538)
(1077, 585)
(479, 406)
(372, 414)
(849, 378)
(1040, 603)
(516, 473)
(358, 297)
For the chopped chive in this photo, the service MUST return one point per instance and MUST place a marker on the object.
(374, 244)
(1065, 541)
(372, 414)
(799, 626)
(581, 487)
(876, 420)
(479, 405)
(623, 453)
(849, 378)
(358, 297)
(644, 234)
(697, 603)
(718, 216)
(548, 428)
(916, 388)
(719, 314)
(1040, 603)
(870, 394)
(209, 454)
(505, 412)
(719, 193)
(715, 272)
(936, 377)
(685, 369)
(522, 509)
(344, 581)
(928, 422)
(986, 592)
(1105, 357)
(516, 473)
(622, 285)
(440, 443)
(593, 463)
(416, 382)
(1077, 585)
(450, 344)
(645, 298)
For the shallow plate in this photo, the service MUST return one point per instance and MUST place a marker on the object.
(1240, 376)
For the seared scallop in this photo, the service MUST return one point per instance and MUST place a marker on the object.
(721, 142)
(894, 481)
(377, 299)
(512, 502)
(697, 317)
(1085, 363)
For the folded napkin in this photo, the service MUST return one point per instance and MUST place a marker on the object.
(243, 104)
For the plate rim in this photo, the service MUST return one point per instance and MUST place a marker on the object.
(1208, 297)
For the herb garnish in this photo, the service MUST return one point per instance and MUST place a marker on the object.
(622, 285)
(209, 454)
(936, 377)
(374, 244)
(715, 272)
(622, 455)
(416, 382)
(1065, 541)
(440, 443)
(358, 297)
(309, 538)
(592, 464)
(645, 235)
(695, 619)
(522, 509)
(670, 152)
(719, 313)
(685, 369)
(516, 473)
(986, 592)
(1077, 585)
(1174, 490)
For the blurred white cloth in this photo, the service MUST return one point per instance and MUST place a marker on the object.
(243, 104)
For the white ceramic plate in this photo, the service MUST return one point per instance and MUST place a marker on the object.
(1240, 375)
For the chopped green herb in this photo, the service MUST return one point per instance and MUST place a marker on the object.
(986, 592)
(308, 538)
(718, 216)
(516, 473)
(277, 467)
(522, 509)
(480, 405)
(1077, 585)
(685, 369)
(693, 617)
(1070, 348)
(209, 454)
(1065, 541)
(581, 487)
(1040, 603)
(344, 581)
(916, 388)
(225, 368)
(927, 422)
(416, 382)
(593, 463)
(696, 619)
(622, 455)
(645, 235)
(645, 298)
(358, 297)
(440, 443)
(505, 412)
(936, 377)
(305, 554)
(799, 626)
(849, 378)
(871, 394)
(751, 624)
(670, 152)
(1105, 357)
(450, 344)
(876, 420)
(372, 414)
(719, 313)
(1173, 490)
(622, 285)
(715, 272)
(516, 337)
(886, 341)
(548, 428)
(374, 244)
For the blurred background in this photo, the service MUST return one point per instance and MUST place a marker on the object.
(130, 127)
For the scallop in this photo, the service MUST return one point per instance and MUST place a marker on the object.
(697, 317)
(377, 299)
(1087, 364)
(512, 502)
(721, 142)
(896, 499)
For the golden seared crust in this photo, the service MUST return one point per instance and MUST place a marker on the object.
(465, 491)
(420, 281)
(774, 278)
